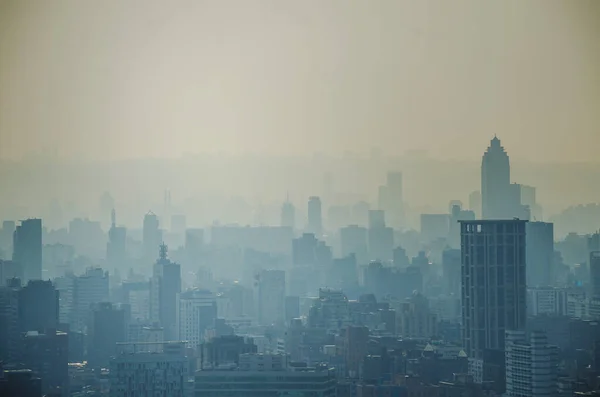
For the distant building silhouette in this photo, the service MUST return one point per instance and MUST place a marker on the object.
(165, 286)
(315, 216)
(116, 248)
(27, 249)
(498, 199)
(152, 237)
(288, 215)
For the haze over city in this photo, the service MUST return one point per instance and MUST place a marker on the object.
(229, 198)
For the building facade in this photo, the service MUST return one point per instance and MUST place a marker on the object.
(493, 285)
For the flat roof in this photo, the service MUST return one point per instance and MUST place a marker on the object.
(482, 221)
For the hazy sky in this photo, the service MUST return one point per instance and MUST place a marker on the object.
(115, 79)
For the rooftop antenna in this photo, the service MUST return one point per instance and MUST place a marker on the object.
(163, 251)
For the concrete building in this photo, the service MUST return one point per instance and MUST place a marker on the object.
(27, 249)
(266, 376)
(108, 327)
(493, 286)
(196, 311)
(531, 365)
(91, 288)
(414, 319)
(547, 300)
(160, 371)
(46, 354)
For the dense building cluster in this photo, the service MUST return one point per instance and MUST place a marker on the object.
(483, 300)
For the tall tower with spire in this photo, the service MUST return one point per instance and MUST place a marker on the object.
(496, 192)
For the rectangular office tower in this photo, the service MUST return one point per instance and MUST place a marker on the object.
(493, 287)
(27, 249)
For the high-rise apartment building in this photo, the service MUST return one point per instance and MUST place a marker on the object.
(540, 254)
(315, 216)
(27, 249)
(196, 311)
(493, 286)
(531, 365)
(165, 285)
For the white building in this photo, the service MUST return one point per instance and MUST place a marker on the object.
(90, 288)
(196, 311)
(530, 365)
(162, 372)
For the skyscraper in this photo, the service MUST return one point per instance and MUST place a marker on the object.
(315, 217)
(288, 214)
(116, 248)
(391, 199)
(27, 249)
(498, 199)
(493, 286)
(165, 286)
(151, 235)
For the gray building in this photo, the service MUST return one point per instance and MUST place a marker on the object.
(540, 254)
(140, 371)
(265, 375)
(493, 286)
